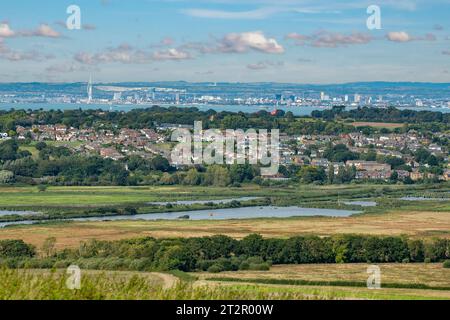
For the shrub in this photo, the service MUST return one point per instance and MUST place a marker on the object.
(42, 187)
(216, 268)
(446, 264)
(427, 260)
(260, 267)
(61, 264)
(244, 266)
(16, 248)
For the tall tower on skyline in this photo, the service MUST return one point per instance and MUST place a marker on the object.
(89, 90)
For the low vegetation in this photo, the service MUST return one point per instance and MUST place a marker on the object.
(220, 253)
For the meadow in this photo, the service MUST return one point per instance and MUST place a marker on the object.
(421, 219)
(251, 285)
(18, 197)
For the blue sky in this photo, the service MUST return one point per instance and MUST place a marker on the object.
(301, 41)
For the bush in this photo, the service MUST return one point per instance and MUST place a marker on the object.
(16, 248)
(427, 260)
(244, 266)
(216, 268)
(446, 264)
(260, 267)
(61, 264)
(42, 187)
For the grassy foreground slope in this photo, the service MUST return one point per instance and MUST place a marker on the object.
(113, 285)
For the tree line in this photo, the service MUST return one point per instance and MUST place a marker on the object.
(222, 253)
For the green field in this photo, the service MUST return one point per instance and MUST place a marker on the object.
(252, 285)
(104, 196)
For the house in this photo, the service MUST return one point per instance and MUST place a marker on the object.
(320, 162)
(110, 153)
(368, 165)
(403, 174)
(416, 175)
(376, 175)
(446, 175)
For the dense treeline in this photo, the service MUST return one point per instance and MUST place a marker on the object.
(150, 117)
(220, 253)
(390, 114)
(285, 121)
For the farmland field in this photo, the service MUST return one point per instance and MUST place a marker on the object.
(378, 124)
(115, 285)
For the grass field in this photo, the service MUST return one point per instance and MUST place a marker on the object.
(103, 196)
(102, 285)
(378, 125)
(46, 285)
(432, 275)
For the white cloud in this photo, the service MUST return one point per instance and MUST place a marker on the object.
(327, 39)
(264, 65)
(243, 42)
(6, 31)
(126, 54)
(398, 36)
(44, 30)
(15, 55)
(171, 54)
(402, 36)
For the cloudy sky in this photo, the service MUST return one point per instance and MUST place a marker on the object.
(301, 41)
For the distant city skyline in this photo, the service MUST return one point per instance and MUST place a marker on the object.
(289, 41)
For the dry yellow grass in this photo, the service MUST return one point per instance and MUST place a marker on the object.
(432, 274)
(413, 224)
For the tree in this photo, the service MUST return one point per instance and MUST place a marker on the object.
(422, 155)
(48, 247)
(192, 177)
(8, 150)
(40, 146)
(394, 176)
(432, 160)
(167, 179)
(331, 174)
(339, 153)
(160, 163)
(241, 172)
(15, 249)
(217, 176)
(309, 174)
(6, 176)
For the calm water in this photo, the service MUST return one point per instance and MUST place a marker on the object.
(424, 199)
(361, 203)
(188, 202)
(299, 111)
(222, 214)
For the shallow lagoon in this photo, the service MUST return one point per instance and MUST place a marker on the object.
(221, 214)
